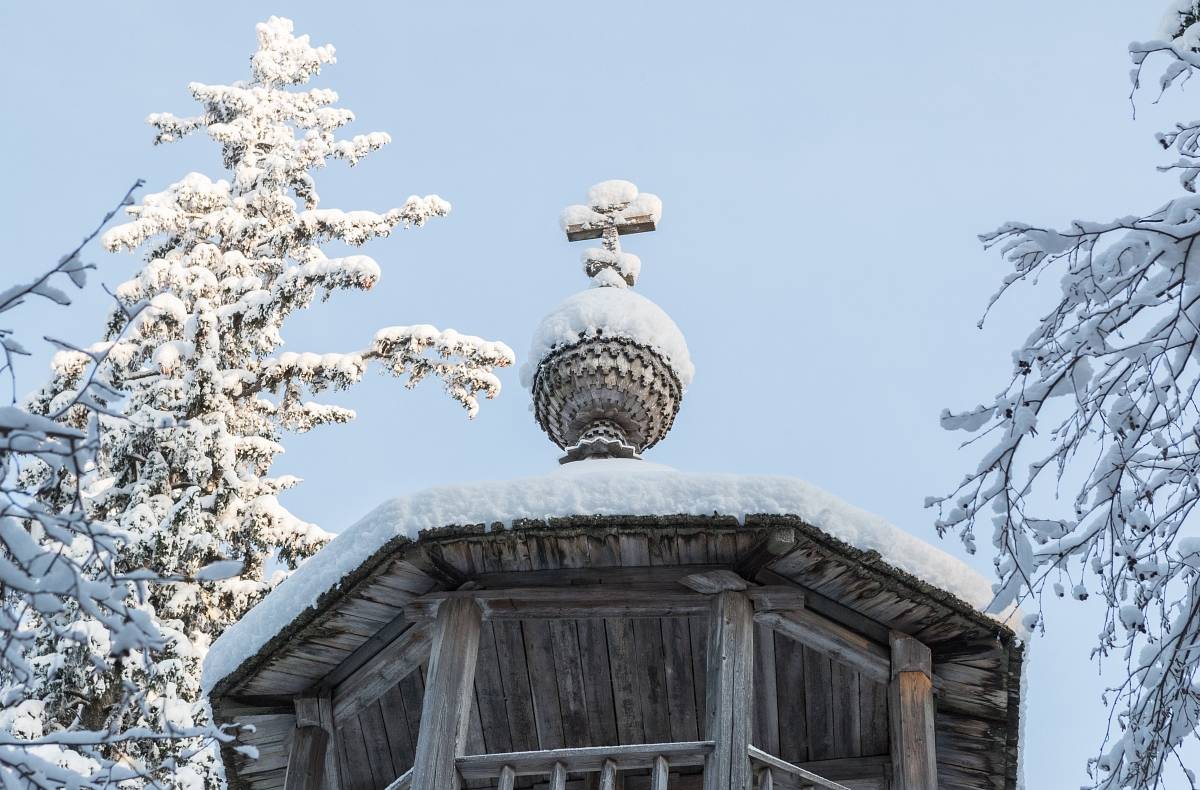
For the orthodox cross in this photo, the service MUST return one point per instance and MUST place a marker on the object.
(615, 209)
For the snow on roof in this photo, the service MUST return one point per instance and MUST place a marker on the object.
(608, 487)
(615, 312)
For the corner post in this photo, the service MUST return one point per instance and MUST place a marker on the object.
(449, 688)
(914, 754)
(729, 692)
(306, 766)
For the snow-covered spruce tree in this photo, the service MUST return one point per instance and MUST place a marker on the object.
(1103, 401)
(207, 392)
(56, 563)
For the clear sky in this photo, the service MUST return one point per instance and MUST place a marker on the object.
(824, 169)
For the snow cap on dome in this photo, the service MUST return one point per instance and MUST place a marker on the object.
(610, 312)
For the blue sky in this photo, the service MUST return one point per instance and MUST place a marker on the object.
(824, 167)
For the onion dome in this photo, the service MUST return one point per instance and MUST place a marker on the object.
(608, 367)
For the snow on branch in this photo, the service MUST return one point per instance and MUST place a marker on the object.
(1102, 401)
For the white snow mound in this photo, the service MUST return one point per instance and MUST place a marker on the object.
(614, 312)
(608, 487)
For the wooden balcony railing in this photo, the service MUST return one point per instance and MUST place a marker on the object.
(659, 758)
(773, 772)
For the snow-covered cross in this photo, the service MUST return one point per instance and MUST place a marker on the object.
(615, 209)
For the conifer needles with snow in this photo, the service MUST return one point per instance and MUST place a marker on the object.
(1103, 403)
(195, 350)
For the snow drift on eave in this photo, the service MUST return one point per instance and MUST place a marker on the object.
(615, 312)
(611, 487)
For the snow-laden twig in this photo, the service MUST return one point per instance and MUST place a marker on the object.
(1103, 398)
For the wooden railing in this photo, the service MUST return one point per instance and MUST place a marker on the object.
(556, 764)
(773, 771)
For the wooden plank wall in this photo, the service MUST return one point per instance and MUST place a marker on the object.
(546, 685)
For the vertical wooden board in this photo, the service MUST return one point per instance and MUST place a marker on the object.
(698, 626)
(652, 679)
(623, 660)
(358, 765)
(664, 549)
(543, 683)
(395, 721)
(790, 700)
(597, 682)
(677, 663)
(412, 692)
(723, 547)
(343, 766)
(572, 700)
(489, 695)
(873, 716)
(730, 683)
(766, 702)
(692, 547)
(847, 738)
(379, 751)
(514, 674)
(634, 548)
(818, 704)
(474, 743)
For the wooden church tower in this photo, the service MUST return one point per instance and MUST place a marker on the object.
(617, 625)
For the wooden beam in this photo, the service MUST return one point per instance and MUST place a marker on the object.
(713, 582)
(568, 603)
(582, 232)
(807, 778)
(333, 766)
(911, 707)
(588, 759)
(449, 689)
(306, 760)
(659, 773)
(777, 598)
(829, 638)
(769, 548)
(382, 671)
(729, 692)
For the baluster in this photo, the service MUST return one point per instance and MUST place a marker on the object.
(507, 777)
(558, 777)
(766, 780)
(608, 776)
(658, 778)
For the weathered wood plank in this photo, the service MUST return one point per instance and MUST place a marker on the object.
(357, 765)
(783, 766)
(514, 674)
(766, 702)
(382, 671)
(818, 704)
(558, 777)
(608, 775)
(529, 603)
(831, 639)
(448, 694)
(658, 774)
(590, 759)
(489, 695)
(627, 702)
(652, 680)
(873, 716)
(713, 582)
(730, 691)
(507, 778)
(790, 699)
(379, 752)
(597, 682)
(677, 665)
(333, 765)
(543, 681)
(306, 763)
(913, 749)
(395, 723)
(847, 732)
(572, 699)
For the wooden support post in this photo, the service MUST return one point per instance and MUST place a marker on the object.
(333, 766)
(659, 774)
(449, 688)
(306, 761)
(508, 778)
(729, 692)
(558, 777)
(608, 776)
(914, 756)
